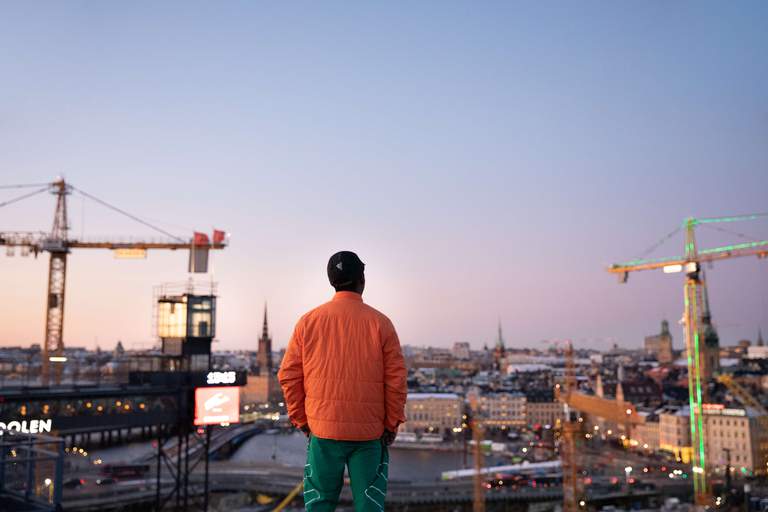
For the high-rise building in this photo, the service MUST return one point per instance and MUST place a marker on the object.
(660, 345)
(264, 354)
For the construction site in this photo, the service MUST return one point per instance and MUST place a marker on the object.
(185, 323)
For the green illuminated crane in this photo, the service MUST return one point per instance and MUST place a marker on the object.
(701, 342)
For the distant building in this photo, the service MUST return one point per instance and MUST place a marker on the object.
(433, 412)
(758, 351)
(541, 409)
(513, 369)
(659, 346)
(736, 430)
(264, 354)
(639, 392)
(502, 409)
(461, 350)
(710, 349)
(646, 435)
(263, 386)
(430, 357)
(675, 433)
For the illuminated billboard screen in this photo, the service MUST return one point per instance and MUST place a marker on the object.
(217, 405)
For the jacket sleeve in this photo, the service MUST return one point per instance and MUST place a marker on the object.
(395, 379)
(291, 376)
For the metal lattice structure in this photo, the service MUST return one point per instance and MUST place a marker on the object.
(59, 244)
(31, 469)
(478, 500)
(700, 338)
(569, 433)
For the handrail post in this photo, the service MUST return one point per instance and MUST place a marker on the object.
(2, 462)
(30, 470)
(58, 481)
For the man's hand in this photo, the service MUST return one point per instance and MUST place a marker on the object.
(305, 429)
(388, 437)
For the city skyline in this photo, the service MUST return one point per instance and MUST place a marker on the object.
(485, 163)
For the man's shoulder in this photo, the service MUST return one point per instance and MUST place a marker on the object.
(379, 316)
(329, 309)
(314, 312)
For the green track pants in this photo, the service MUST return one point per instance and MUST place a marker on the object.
(367, 463)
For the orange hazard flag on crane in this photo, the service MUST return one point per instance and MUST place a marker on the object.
(218, 236)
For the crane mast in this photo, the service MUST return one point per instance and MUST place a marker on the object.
(699, 372)
(569, 433)
(576, 402)
(57, 278)
(478, 494)
(58, 244)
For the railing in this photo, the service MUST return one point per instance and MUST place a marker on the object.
(31, 468)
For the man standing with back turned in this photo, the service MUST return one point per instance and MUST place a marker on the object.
(344, 381)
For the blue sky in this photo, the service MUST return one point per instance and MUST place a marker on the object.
(486, 160)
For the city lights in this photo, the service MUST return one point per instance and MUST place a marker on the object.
(488, 162)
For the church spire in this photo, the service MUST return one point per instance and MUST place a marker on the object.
(264, 354)
(500, 339)
(265, 329)
(499, 353)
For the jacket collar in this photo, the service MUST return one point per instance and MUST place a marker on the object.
(348, 296)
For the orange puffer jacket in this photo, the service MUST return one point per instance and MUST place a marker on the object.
(343, 372)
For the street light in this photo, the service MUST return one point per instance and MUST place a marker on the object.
(48, 483)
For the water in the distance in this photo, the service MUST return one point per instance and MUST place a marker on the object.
(291, 450)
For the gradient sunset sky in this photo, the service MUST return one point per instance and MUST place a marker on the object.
(486, 160)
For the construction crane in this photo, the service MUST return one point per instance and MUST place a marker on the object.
(701, 341)
(743, 395)
(478, 503)
(569, 431)
(59, 244)
(616, 411)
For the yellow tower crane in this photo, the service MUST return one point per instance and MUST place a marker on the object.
(478, 503)
(615, 411)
